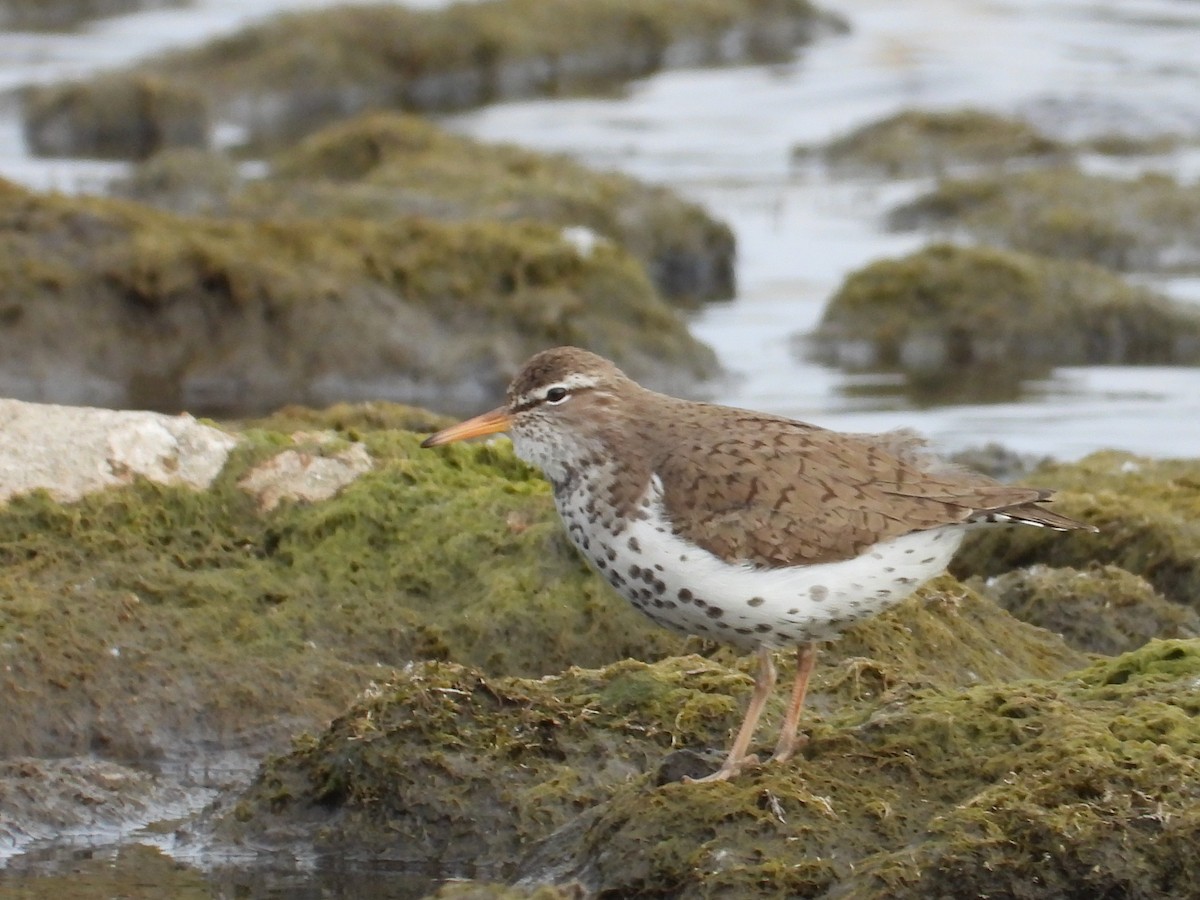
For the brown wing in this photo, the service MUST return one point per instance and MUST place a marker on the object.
(776, 493)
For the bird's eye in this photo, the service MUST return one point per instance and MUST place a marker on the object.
(556, 395)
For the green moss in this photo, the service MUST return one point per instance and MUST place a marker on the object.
(214, 622)
(385, 165)
(1146, 511)
(946, 312)
(1103, 609)
(313, 310)
(1144, 224)
(922, 142)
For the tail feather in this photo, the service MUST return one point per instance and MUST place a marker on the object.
(1032, 514)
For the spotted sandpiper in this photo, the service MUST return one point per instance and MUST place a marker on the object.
(752, 529)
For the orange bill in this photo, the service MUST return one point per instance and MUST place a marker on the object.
(488, 423)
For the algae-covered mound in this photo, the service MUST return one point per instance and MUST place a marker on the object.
(444, 764)
(924, 142)
(152, 619)
(298, 71)
(1103, 609)
(1151, 223)
(108, 302)
(384, 165)
(1147, 510)
(1083, 786)
(947, 310)
(118, 116)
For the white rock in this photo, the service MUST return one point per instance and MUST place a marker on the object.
(72, 451)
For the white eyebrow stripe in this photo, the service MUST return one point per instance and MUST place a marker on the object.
(573, 382)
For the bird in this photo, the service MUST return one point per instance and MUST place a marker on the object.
(747, 528)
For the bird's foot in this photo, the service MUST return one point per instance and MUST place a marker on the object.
(730, 769)
(786, 749)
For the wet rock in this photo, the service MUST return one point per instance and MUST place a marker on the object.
(1101, 609)
(43, 799)
(115, 304)
(947, 313)
(931, 143)
(1143, 224)
(1146, 511)
(442, 762)
(299, 71)
(73, 451)
(114, 117)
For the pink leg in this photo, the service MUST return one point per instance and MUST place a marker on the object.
(806, 655)
(764, 680)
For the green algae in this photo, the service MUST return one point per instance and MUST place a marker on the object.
(1143, 224)
(1147, 512)
(946, 313)
(1102, 609)
(313, 310)
(442, 762)
(384, 165)
(923, 142)
(143, 620)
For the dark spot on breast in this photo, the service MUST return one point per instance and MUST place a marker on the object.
(685, 595)
(635, 571)
(818, 593)
(660, 587)
(755, 601)
(763, 628)
(634, 545)
(714, 612)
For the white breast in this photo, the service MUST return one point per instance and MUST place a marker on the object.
(690, 589)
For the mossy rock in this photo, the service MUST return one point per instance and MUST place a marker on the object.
(948, 311)
(443, 763)
(1147, 511)
(299, 71)
(386, 165)
(238, 317)
(922, 142)
(217, 624)
(1101, 609)
(1151, 223)
(118, 116)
